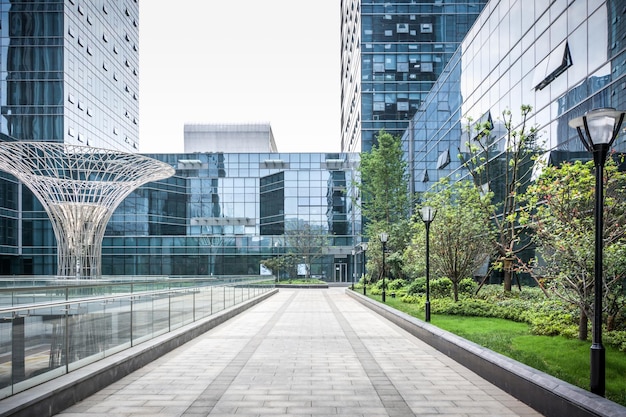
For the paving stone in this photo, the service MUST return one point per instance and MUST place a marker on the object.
(311, 353)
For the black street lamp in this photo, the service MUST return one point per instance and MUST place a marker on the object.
(384, 236)
(364, 247)
(597, 130)
(428, 215)
(353, 267)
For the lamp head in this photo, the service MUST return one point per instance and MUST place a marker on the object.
(384, 236)
(427, 214)
(598, 127)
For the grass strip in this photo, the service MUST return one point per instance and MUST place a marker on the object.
(563, 358)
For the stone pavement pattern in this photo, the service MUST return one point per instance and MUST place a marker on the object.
(303, 353)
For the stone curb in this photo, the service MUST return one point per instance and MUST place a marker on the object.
(548, 395)
(56, 395)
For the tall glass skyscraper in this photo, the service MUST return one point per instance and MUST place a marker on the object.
(391, 55)
(68, 73)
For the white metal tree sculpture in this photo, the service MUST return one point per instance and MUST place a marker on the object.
(79, 187)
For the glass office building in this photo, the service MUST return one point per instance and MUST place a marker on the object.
(391, 55)
(222, 214)
(68, 73)
(563, 58)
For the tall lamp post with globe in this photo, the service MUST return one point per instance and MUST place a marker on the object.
(428, 215)
(597, 130)
(384, 236)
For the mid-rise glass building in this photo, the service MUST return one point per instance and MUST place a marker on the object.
(392, 52)
(563, 58)
(222, 214)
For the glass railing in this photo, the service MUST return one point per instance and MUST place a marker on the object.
(51, 327)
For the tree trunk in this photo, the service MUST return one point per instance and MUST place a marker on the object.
(508, 274)
(508, 279)
(455, 287)
(582, 326)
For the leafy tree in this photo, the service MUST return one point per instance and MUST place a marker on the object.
(461, 234)
(276, 264)
(384, 198)
(500, 159)
(564, 232)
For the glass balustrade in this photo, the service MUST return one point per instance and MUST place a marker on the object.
(51, 327)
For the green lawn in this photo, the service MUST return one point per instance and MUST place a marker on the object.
(566, 359)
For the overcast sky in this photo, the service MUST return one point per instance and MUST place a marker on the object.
(245, 61)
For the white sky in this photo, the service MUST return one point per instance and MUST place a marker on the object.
(244, 61)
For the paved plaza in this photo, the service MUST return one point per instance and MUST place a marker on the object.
(314, 352)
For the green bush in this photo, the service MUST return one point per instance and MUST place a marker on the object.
(417, 286)
(396, 284)
(467, 286)
(440, 288)
(616, 338)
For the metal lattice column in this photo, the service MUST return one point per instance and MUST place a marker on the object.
(80, 187)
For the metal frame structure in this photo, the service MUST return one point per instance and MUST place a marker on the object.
(80, 187)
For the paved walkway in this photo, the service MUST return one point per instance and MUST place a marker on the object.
(303, 353)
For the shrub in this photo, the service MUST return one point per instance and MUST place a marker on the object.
(440, 288)
(411, 299)
(396, 284)
(616, 338)
(467, 286)
(417, 286)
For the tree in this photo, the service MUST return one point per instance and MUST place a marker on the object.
(564, 232)
(461, 235)
(384, 197)
(500, 159)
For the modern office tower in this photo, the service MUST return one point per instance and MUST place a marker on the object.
(561, 58)
(68, 73)
(229, 137)
(391, 55)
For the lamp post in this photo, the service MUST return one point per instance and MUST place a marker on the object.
(428, 215)
(353, 267)
(277, 246)
(383, 239)
(598, 129)
(364, 247)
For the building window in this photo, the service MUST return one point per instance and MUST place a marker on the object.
(556, 64)
(426, 67)
(444, 159)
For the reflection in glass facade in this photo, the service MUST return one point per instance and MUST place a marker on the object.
(391, 55)
(563, 58)
(221, 214)
(68, 73)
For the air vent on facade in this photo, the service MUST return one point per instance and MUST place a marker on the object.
(274, 164)
(334, 164)
(402, 28)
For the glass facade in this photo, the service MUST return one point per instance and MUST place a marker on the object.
(222, 213)
(391, 55)
(68, 73)
(563, 58)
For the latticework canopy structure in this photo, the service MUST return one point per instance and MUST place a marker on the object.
(80, 188)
